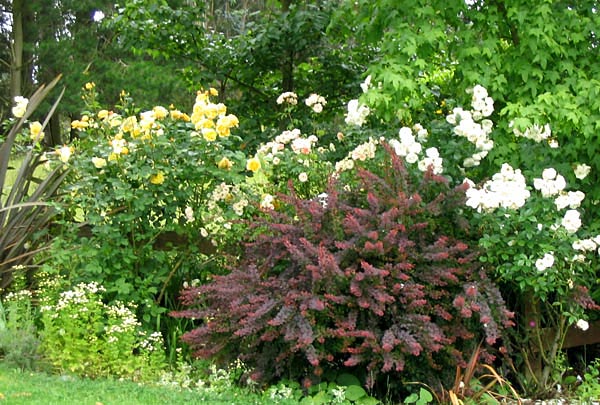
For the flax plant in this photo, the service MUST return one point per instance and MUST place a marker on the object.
(25, 207)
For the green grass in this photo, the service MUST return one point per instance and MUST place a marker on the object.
(24, 387)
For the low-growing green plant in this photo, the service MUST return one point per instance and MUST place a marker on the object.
(84, 336)
(589, 388)
(18, 334)
(423, 397)
(346, 390)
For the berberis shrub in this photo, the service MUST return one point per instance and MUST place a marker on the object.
(374, 279)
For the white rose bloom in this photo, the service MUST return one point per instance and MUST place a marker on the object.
(545, 262)
(571, 221)
(549, 174)
(582, 170)
(412, 158)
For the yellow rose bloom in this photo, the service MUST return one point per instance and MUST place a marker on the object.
(157, 178)
(103, 114)
(112, 157)
(253, 165)
(160, 112)
(99, 163)
(213, 92)
(35, 130)
(177, 115)
(80, 125)
(90, 85)
(211, 111)
(221, 109)
(201, 96)
(209, 134)
(223, 130)
(129, 124)
(204, 123)
(225, 164)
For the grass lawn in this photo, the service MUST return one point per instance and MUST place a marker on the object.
(17, 387)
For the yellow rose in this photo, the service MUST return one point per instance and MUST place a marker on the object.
(209, 134)
(35, 130)
(103, 114)
(157, 178)
(201, 96)
(211, 111)
(90, 85)
(223, 130)
(204, 123)
(225, 164)
(221, 109)
(81, 125)
(160, 112)
(129, 124)
(99, 163)
(253, 165)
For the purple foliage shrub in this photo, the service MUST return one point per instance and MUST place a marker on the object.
(374, 279)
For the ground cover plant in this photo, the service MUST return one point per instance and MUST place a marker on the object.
(19, 387)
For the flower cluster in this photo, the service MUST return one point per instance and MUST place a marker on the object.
(293, 137)
(550, 184)
(316, 102)
(357, 113)
(289, 97)
(587, 245)
(553, 184)
(545, 262)
(407, 146)
(362, 152)
(85, 335)
(507, 189)
(472, 125)
(205, 113)
(536, 133)
(20, 106)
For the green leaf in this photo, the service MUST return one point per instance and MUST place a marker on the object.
(347, 380)
(355, 392)
(425, 395)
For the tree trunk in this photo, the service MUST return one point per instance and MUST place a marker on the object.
(16, 65)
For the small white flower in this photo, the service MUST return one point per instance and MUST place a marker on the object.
(303, 177)
(366, 84)
(189, 214)
(583, 324)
